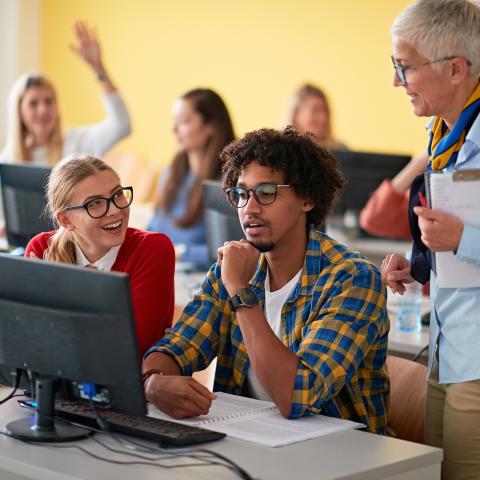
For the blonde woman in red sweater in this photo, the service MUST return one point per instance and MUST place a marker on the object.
(91, 208)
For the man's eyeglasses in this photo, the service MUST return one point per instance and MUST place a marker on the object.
(98, 207)
(264, 193)
(401, 70)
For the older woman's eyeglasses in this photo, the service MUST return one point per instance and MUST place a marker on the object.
(264, 193)
(401, 70)
(98, 207)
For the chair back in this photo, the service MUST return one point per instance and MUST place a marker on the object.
(408, 386)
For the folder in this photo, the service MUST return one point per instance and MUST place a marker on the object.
(457, 193)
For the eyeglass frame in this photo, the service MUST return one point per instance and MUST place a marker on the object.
(400, 70)
(253, 191)
(108, 199)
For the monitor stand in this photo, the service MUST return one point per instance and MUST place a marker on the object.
(41, 427)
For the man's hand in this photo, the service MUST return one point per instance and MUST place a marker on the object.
(396, 272)
(239, 261)
(441, 231)
(178, 396)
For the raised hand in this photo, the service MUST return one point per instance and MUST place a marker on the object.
(87, 46)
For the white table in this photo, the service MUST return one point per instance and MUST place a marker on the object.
(352, 455)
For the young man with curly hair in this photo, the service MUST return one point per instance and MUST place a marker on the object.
(291, 315)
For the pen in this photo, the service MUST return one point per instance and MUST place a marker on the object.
(422, 200)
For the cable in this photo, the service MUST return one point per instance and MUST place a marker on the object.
(15, 388)
(419, 354)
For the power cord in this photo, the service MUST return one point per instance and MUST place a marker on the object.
(420, 353)
(15, 387)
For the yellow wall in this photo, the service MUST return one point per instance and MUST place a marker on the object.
(253, 52)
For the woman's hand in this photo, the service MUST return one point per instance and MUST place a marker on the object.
(87, 46)
(395, 271)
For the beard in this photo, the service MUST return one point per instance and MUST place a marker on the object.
(263, 247)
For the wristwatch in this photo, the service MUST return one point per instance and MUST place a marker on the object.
(245, 297)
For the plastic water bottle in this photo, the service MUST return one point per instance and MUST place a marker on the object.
(410, 307)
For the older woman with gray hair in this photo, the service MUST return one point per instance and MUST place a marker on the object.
(436, 57)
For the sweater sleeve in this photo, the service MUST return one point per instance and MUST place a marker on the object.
(386, 213)
(152, 288)
(97, 138)
(37, 245)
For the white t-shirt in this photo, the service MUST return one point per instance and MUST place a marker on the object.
(273, 309)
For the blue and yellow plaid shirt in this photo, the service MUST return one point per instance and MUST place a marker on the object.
(335, 320)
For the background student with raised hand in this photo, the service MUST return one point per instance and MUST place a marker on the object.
(290, 314)
(34, 130)
(92, 209)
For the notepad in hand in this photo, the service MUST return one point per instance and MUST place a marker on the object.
(260, 422)
(458, 194)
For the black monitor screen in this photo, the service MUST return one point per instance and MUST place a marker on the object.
(364, 172)
(221, 219)
(71, 323)
(23, 195)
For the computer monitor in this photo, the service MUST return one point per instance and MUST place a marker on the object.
(23, 195)
(221, 219)
(364, 172)
(59, 321)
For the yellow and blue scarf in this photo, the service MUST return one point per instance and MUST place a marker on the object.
(444, 143)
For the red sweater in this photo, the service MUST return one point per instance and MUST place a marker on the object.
(149, 260)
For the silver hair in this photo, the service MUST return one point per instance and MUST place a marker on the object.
(440, 28)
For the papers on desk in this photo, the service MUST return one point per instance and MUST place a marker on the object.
(458, 194)
(260, 422)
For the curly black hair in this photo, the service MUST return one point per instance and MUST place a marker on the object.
(308, 166)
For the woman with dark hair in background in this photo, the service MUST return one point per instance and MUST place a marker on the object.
(202, 127)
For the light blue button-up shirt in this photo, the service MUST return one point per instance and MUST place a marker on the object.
(455, 318)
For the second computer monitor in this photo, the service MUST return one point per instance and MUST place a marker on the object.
(221, 219)
(364, 172)
(23, 195)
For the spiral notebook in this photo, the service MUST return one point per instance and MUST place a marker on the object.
(260, 422)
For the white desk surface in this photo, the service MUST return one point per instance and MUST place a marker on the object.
(349, 455)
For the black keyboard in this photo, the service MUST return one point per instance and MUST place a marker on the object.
(163, 432)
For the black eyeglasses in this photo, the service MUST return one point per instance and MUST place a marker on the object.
(264, 193)
(401, 70)
(98, 207)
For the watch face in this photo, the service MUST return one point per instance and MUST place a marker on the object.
(247, 296)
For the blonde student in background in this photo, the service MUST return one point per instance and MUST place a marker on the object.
(309, 111)
(436, 57)
(34, 130)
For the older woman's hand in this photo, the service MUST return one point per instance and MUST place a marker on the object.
(441, 231)
(396, 272)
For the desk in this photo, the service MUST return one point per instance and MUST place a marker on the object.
(349, 455)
